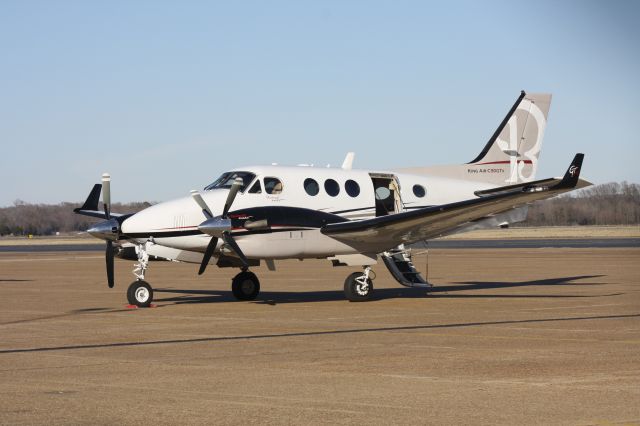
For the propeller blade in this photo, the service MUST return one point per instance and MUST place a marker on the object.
(232, 196)
(226, 236)
(106, 194)
(109, 257)
(207, 255)
(198, 199)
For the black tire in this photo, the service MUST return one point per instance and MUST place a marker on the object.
(245, 286)
(140, 294)
(354, 291)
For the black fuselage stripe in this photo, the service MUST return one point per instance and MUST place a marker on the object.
(188, 233)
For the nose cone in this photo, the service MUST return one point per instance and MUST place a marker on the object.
(182, 214)
(107, 230)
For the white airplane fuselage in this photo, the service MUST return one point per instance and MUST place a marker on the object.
(174, 224)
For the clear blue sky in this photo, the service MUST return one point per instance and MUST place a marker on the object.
(167, 95)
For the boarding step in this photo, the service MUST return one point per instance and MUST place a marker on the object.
(399, 264)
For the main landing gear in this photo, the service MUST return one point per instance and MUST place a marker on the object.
(245, 286)
(358, 287)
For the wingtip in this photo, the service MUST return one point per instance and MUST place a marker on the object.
(572, 175)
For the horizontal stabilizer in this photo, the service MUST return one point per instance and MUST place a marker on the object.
(90, 206)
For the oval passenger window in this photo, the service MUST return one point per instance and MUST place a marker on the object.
(332, 187)
(419, 191)
(311, 187)
(352, 188)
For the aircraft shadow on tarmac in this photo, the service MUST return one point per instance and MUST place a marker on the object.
(277, 297)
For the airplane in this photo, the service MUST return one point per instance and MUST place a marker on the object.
(345, 215)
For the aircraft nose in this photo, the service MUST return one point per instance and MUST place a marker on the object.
(163, 217)
(139, 223)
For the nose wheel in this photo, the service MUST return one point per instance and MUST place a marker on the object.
(245, 286)
(140, 294)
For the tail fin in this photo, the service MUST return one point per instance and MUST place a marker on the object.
(511, 155)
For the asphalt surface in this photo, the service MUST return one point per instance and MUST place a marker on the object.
(436, 244)
(550, 336)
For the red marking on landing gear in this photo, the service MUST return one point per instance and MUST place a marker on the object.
(137, 307)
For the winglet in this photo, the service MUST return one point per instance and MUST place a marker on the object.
(572, 174)
(92, 200)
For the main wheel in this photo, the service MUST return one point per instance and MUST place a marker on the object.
(140, 294)
(357, 288)
(245, 286)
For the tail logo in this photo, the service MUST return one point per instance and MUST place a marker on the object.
(513, 145)
(573, 170)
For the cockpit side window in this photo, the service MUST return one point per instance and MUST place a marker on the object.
(272, 185)
(256, 188)
(227, 179)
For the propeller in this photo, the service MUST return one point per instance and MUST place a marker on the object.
(108, 230)
(219, 226)
(106, 201)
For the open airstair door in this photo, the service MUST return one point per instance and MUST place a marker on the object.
(387, 192)
(398, 262)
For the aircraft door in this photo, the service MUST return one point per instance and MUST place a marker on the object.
(387, 194)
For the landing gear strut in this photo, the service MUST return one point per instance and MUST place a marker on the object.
(245, 286)
(140, 292)
(358, 286)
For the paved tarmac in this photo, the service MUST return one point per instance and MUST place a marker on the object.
(439, 244)
(507, 336)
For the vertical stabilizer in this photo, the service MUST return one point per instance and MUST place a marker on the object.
(511, 155)
(514, 149)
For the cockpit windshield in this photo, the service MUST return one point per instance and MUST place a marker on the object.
(227, 179)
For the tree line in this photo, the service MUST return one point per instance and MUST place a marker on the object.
(607, 204)
(48, 219)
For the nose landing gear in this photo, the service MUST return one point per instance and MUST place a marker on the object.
(140, 293)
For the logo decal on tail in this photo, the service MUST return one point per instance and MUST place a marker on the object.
(512, 146)
(573, 170)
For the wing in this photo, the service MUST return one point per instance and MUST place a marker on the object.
(383, 233)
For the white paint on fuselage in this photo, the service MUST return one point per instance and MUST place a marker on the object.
(184, 214)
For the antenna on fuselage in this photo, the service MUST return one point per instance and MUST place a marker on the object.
(348, 161)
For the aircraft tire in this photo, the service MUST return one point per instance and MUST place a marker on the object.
(245, 286)
(140, 294)
(354, 291)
